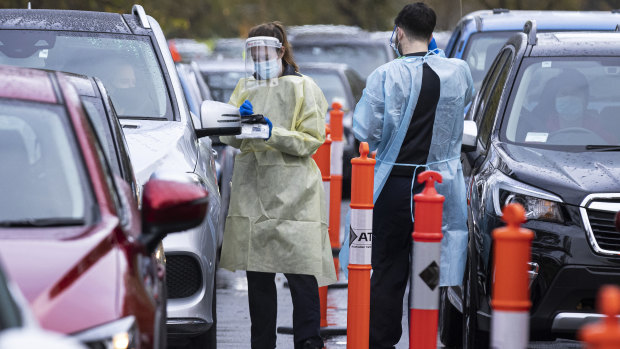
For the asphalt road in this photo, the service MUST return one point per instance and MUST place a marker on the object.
(233, 327)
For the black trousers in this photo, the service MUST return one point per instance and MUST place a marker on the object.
(391, 249)
(263, 301)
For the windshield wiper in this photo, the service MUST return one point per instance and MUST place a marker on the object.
(43, 222)
(603, 147)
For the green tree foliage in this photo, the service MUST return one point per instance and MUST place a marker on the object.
(229, 18)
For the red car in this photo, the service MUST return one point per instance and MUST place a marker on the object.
(71, 235)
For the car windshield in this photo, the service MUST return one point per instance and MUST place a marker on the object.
(481, 51)
(222, 83)
(565, 102)
(42, 177)
(126, 64)
(331, 85)
(362, 58)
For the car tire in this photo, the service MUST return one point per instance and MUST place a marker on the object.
(450, 321)
(473, 338)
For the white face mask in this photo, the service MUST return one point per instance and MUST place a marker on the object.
(569, 108)
(268, 69)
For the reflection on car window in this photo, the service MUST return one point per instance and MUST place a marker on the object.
(98, 117)
(45, 179)
(331, 85)
(481, 51)
(362, 58)
(222, 84)
(565, 101)
(126, 64)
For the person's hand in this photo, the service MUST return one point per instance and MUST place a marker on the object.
(247, 109)
(270, 126)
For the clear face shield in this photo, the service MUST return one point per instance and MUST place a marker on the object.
(263, 64)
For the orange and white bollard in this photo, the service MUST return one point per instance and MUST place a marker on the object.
(511, 294)
(426, 250)
(335, 123)
(360, 250)
(604, 334)
(322, 159)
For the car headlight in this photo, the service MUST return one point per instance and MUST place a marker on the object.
(119, 334)
(538, 204)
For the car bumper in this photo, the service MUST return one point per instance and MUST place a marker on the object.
(189, 308)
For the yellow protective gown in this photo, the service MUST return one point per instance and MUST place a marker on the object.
(277, 218)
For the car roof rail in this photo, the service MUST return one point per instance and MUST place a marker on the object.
(500, 10)
(138, 10)
(478, 20)
(530, 29)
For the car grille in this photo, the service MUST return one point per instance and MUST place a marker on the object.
(604, 229)
(599, 213)
(183, 276)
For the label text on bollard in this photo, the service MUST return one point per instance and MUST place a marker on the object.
(360, 237)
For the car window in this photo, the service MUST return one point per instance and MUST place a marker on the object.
(480, 52)
(356, 83)
(565, 102)
(46, 179)
(362, 58)
(452, 43)
(99, 119)
(331, 85)
(222, 84)
(493, 94)
(10, 314)
(127, 64)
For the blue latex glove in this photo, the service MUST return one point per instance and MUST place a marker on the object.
(268, 123)
(246, 108)
(432, 45)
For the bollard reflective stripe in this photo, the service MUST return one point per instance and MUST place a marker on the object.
(336, 164)
(426, 251)
(511, 295)
(360, 237)
(425, 272)
(511, 329)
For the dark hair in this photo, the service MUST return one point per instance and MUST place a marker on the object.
(276, 30)
(417, 20)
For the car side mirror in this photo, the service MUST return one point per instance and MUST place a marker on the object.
(170, 206)
(470, 136)
(218, 119)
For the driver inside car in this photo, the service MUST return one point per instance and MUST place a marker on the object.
(564, 104)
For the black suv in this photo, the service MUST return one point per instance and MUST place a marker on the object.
(547, 118)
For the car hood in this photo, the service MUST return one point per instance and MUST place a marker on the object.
(159, 145)
(71, 284)
(570, 175)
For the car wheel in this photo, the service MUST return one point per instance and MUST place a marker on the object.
(207, 340)
(450, 321)
(472, 337)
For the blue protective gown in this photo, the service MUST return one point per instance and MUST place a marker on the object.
(382, 117)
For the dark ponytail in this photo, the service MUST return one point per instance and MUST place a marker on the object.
(276, 30)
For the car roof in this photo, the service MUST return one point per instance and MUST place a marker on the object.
(576, 44)
(499, 19)
(26, 84)
(221, 65)
(336, 67)
(69, 20)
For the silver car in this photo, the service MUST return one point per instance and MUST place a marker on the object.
(129, 53)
